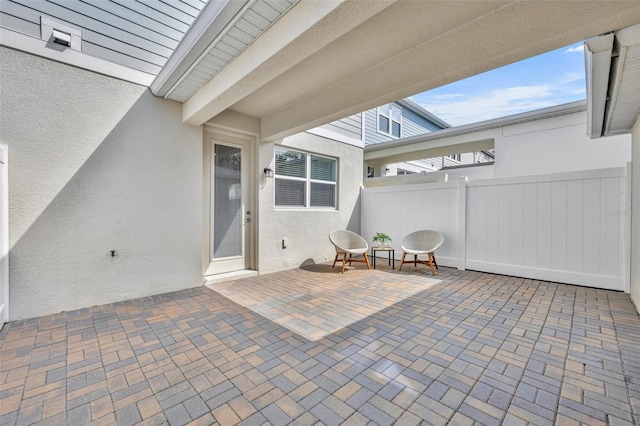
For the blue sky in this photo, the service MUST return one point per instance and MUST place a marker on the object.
(549, 79)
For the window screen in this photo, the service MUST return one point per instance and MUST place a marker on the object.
(304, 180)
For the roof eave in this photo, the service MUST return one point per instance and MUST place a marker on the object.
(213, 18)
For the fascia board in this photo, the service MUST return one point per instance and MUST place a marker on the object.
(211, 21)
(597, 56)
(72, 57)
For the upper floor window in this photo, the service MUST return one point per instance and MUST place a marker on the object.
(390, 120)
(305, 180)
(456, 157)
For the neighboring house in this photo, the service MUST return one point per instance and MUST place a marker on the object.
(398, 120)
(154, 147)
(517, 139)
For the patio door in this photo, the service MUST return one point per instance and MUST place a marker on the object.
(230, 218)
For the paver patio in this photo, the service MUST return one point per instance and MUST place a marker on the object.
(457, 348)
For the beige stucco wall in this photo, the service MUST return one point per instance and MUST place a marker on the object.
(635, 217)
(307, 231)
(558, 144)
(95, 164)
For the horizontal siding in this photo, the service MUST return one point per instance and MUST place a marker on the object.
(17, 24)
(371, 134)
(348, 126)
(137, 34)
(412, 125)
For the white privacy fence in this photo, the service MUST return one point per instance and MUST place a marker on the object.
(565, 227)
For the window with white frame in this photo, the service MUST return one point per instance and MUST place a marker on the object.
(456, 157)
(305, 180)
(390, 120)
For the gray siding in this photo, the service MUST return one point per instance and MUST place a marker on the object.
(138, 34)
(371, 134)
(412, 125)
(349, 126)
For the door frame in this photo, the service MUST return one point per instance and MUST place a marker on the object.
(4, 235)
(232, 137)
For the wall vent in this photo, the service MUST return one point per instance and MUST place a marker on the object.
(60, 36)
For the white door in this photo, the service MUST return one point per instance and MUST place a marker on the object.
(230, 206)
(4, 237)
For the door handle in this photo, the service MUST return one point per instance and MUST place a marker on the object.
(248, 219)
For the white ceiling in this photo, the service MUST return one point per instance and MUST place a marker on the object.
(326, 60)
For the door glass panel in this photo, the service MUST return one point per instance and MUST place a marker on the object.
(227, 202)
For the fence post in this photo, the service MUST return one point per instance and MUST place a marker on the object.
(627, 217)
(462, 223)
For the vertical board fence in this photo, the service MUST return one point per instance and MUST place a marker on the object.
(565, 227)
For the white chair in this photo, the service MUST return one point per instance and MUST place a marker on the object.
(423, 242)
(349, 243)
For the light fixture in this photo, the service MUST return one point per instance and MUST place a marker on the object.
(268, 172)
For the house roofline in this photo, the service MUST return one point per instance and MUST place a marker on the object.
(540, 114)
(408, 103)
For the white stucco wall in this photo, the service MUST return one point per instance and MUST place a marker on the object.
(635, 217)
(95, 164)
(307, 231)
(558, 144)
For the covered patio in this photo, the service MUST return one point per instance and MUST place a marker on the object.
(313, 346)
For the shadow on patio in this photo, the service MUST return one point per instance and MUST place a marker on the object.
(384, 347)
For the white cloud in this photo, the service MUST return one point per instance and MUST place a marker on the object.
(447, 96)
(570, 77)
(576, 49)
(493, 104)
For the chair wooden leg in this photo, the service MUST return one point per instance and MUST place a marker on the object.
(415, 260)
(335, 260)
(431, 263)
(344, 262)
(350, 257)
(402, 261)
(366, 259)
(433, 257)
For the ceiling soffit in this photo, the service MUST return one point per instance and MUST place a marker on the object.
(624, 90)
(249, 23)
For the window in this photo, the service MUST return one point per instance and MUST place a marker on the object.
(305, 180)
(455, 157)
(390, 120)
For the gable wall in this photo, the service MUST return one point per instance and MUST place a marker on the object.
(412, 125)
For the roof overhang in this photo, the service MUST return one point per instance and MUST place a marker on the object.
(319, 61)
(612, 64)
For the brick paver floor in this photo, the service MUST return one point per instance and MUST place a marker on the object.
(465, 348)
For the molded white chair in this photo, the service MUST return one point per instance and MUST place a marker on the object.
(422, 242)
(349, 243)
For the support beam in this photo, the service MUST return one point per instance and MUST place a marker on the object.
(309, 26)
(453, 55)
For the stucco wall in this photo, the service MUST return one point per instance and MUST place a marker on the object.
(558, 144)
(95, 164)
(635, 217)
(307, 231)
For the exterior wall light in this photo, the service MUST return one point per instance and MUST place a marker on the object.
(268, 172)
